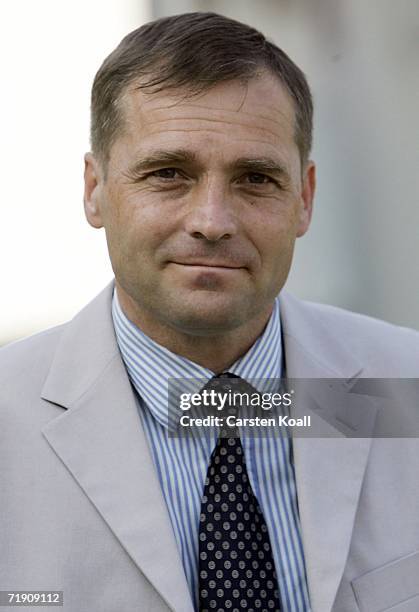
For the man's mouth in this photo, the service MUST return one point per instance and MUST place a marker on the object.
(209, 264)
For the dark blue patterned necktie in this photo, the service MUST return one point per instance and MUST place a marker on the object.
(236, 567)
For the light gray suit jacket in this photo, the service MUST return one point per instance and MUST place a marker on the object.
(81, 506)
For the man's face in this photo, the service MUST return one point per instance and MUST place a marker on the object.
(203, 200)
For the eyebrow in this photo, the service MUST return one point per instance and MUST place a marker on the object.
(262, 164)
(183, 156)
(162, 158)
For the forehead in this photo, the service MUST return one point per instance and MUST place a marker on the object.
(257, 114)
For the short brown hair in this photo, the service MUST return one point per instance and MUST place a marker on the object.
(193, 51)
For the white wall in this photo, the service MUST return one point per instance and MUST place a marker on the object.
(52, 262)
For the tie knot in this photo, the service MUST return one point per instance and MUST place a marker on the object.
(228, 392)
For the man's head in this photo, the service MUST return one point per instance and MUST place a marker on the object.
(202, 183)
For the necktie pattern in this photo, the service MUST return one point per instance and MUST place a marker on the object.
(236, 567)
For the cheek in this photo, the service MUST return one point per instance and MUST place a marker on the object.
(274, 236)
(147, 214)
(141, 231)
(278, 253)
(135, 223)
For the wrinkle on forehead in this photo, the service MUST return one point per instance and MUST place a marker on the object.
(235, 100)
(207, 126)
(180, 96)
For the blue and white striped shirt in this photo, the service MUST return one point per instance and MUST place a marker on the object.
(182, 462)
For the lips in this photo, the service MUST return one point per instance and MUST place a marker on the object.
(209, 264)
(221, 256)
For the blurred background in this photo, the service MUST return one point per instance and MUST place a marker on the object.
(362, 62)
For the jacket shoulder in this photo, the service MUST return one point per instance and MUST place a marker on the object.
(369, 338)
(349, 321)
(24, 364)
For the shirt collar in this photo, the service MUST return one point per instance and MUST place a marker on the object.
(150, 365)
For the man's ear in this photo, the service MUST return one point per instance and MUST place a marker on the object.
(93, 191)
(307, 196)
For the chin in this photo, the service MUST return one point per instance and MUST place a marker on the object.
(207, 319)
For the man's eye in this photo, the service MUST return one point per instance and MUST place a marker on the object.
(256, 178)
(165, 173)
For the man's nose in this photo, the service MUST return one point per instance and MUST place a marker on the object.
(211, 215)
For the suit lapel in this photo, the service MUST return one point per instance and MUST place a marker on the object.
(329, 471)
(100, 440)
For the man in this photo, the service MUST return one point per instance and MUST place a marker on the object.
(200, 175)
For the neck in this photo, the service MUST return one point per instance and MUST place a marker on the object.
(216, 352)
